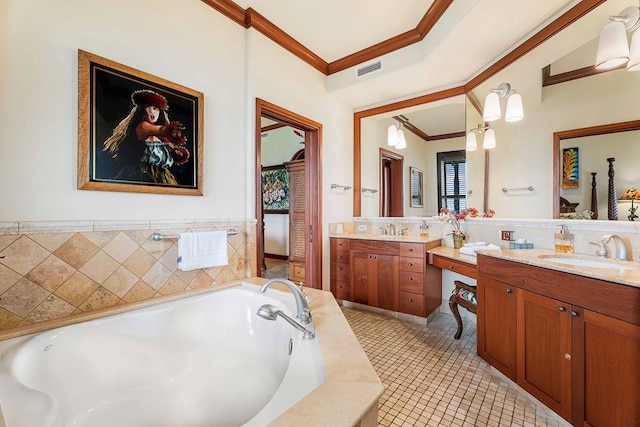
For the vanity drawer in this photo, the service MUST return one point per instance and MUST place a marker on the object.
(342, 290)
(411, 303)
(459, 267)
(413, 250)
(410, 281)
(411, 264)
(339, 244)
(340, 271)
(340, 257)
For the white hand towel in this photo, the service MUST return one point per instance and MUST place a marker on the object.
(471, 250)
(202, 250)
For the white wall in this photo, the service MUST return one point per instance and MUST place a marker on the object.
(282, 79)
(200, 49)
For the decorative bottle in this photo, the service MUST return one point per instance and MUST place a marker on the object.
(564, 240)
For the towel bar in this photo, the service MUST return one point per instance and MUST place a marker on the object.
(159, 236)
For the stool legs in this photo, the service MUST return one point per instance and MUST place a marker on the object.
(453, 305)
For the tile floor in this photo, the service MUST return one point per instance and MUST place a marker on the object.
(431, 379)
(276, 268)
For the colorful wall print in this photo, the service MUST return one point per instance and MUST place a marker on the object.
(570, 168)
(275, 189)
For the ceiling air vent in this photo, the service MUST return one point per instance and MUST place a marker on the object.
(368, 69)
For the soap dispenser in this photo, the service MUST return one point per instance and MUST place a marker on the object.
(424, 229)
(564, 240)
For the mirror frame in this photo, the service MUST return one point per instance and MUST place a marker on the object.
(577, 133)
(566, 19)
(415, 187)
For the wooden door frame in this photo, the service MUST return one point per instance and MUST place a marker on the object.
(398, 187)
(313, 186)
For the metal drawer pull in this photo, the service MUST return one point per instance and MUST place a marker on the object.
(410, 264)
(561, 308)
(410, 278)
(372, 257)
(451, 267)
(575, 313)
(509, 291)
(410, 299)
(567, 356)
(410, 250)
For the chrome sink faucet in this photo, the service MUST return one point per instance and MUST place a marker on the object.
(392, 229)
(304, 311)
(621, 247)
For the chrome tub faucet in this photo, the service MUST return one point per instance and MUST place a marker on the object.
(304, 311)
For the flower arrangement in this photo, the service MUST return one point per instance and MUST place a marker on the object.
(455, 219)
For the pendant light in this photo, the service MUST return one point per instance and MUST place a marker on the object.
(402, 142)
(472, 144)
(514, 112)
(489, 139)
(392, 135)
(492, 112)
(613, 47)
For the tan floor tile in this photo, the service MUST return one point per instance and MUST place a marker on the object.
(432, 380)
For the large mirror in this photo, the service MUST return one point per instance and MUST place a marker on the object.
(523, 181)
(430, 129)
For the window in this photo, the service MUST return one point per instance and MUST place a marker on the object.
(452, 180)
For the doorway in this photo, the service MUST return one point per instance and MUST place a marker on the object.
(391, 184)
(311, 223)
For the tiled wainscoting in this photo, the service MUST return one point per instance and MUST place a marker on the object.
(56, 270)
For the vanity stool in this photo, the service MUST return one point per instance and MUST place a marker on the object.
(465, 296)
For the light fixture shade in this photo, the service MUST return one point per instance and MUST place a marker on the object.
(489, 140)
(491, 107)
(613, 49)
(472, 144)
(392, 136)
(634, 53)
(514, 112)
(402, 142)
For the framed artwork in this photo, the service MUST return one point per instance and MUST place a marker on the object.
(415, 187)
(137, 132)
(570, 167)
(275, 189)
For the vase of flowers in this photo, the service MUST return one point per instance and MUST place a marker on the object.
(456, 220)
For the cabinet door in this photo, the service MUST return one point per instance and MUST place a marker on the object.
(611, 380)
(360, 277)
(385, 268)
(544, 350)
(497, 324)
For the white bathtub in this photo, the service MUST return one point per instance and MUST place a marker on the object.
(203, 361)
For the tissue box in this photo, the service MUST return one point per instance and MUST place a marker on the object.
(514, 245)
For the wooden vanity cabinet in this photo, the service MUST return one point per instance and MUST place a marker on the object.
(496, 325)
(577, 339)
(340, 276)
(391, 275)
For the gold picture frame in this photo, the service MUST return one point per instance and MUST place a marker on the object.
(137, 132)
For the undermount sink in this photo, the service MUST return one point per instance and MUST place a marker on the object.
(582, 262)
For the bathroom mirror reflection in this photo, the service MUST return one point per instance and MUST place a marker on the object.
(428, 129)
(524, 152)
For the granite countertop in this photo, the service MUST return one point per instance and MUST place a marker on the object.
(386, 237)
(610, 270)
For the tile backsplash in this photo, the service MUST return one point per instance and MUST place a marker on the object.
(54, 270)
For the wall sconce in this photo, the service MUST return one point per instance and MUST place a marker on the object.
(489, 138)
(395, 136)
(492, 112)
(613, 48)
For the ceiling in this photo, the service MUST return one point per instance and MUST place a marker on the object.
(468, 37)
